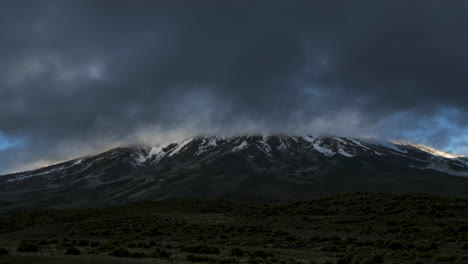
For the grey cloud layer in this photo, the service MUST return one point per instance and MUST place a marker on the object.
(82, 75)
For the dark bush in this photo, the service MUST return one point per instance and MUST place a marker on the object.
(94, 244)
(193, 258)
(27, 246)
(4, 251)
(83, 243)
(143, 245)
(121, 252)
(201, 250)
(314, 239)
(53, 241)
(164, 254)
(446, 258)
(72, 251)
(228, 261)
(124, 253)
(280, 233)
(137, 255)
(423, 248)
(377, 259)
(345, 260)
(395, 246)
(132, 245)
(237, 252)
(261, 254)
(463, 229)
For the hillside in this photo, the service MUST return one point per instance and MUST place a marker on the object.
(253, 167)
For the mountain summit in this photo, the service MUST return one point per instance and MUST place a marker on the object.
(260, 167)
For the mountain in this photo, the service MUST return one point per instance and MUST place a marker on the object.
(257, 167)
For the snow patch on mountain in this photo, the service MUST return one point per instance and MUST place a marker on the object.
(344, 153)
(357, 143)
(324, 150)
(264, 146)
(77, 162)
(180, 147)
(156, 153)
(140, 159)
(283, 146)
(393, 145)
(309, 139)
(241, 146)
(207, 144)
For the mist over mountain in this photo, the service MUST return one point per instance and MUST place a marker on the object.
(78, 77)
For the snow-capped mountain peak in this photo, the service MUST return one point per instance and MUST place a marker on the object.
(276, 166)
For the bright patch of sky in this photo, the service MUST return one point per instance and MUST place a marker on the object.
(8, 142)
(443, 131)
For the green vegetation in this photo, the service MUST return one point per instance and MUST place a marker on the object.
(72, 251)
(341, 229)
(27, 246)
(3, 251)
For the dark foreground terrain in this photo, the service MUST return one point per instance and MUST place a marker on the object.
(346, 228)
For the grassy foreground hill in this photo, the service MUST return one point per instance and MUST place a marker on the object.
(345, 228)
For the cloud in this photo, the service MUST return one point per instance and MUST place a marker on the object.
(82, 76)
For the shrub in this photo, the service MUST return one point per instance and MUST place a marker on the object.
(137, 255)
(375, 259)
(143, 245)
(4, 251)
(94, 244)
(280, 233)
(121, 252)
(228, 261)
(72, 251)
(164, 254)
(193, 258)
(53, 241)
(201, 250)
(27, 246)
(395, 246)
(345, 260)
(83, 243)
(237, 252)
(261, 254)
(378, 259)
(423, 248)
(124, 253)
(444, 258)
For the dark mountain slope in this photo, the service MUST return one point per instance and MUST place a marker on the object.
(275, 167)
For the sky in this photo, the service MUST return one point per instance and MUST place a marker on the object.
(79, 77)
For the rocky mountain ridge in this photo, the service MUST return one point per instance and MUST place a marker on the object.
(261, 167)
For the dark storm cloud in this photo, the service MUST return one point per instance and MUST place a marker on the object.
(83, 75)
